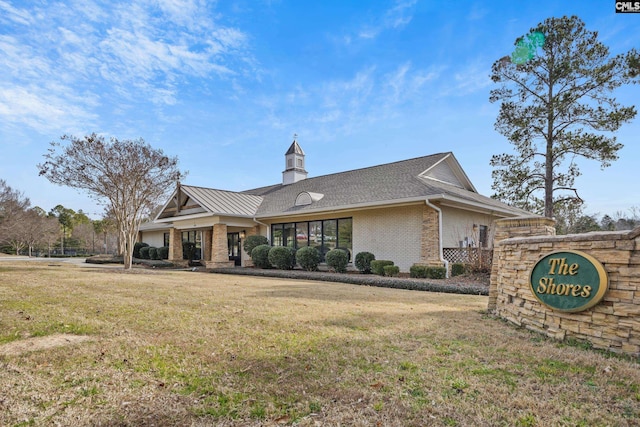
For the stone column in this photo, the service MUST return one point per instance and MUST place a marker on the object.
(219, 248)
(175, 245)
(506, 228)
(206, 244)
(430, 239)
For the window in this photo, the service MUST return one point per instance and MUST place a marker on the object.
(196, 238)
(299, 163)
(288, 235)
(322, 235)
(166, 239)
(484, 231)
(289, 163)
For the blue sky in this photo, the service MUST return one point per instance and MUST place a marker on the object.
(225, 85)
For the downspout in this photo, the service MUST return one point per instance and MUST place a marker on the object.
(440, 254)
(267, 226)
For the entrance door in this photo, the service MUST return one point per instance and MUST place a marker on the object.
(233, 242)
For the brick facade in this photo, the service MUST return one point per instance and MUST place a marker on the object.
(175, 245)
(613, 324)
(430, 237)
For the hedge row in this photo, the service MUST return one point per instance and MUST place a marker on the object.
(145, 251)
(361, 279)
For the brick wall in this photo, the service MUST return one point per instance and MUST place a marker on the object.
(613, 324)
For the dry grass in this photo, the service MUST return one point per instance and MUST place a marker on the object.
(182, 348)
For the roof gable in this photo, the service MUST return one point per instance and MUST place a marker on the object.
(448, 171)
(190, 200)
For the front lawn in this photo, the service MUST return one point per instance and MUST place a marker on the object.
(97, 346)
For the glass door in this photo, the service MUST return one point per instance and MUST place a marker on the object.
(233, 243)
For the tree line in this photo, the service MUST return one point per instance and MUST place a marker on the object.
(32, 231)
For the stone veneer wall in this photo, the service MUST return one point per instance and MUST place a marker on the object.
(613, 324)
(219, 248)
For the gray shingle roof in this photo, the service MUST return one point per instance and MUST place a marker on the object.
(369, 186)
(437, 177)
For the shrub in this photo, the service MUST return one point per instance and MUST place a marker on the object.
(153, 253)
(281, 257)
(391, 270)
(338, 260)
(377, 266)
(421, 271)
(163, 252)
(260, 256)
(251, 242)
(457, 269)
(308, 257)
(136, 248)
(363, 261)
(144, 252)
(436, 272)
(418, 271)
(188, 250)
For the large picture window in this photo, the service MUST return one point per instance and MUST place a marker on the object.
(323, 235)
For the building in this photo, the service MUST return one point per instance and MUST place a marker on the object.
(406, 211)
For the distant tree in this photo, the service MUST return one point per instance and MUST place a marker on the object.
(13, 209)
(65, 217)
(607, 223)
(585, 224)
(103, 227)
(556, 107)
(41, 230)
(128, 176)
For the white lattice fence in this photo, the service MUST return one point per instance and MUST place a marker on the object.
(475, 256)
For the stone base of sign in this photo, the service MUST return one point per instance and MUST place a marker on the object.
(613, 324)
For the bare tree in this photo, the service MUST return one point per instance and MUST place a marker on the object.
(40, 230)
(129, 177)
(13, 208)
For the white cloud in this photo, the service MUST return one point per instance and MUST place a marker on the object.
(19, 16)
(140, 50)
(398, 16)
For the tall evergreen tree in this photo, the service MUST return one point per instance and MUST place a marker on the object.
(557, 106)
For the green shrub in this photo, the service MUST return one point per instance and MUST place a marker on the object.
(251, 242)
(363, 262)
(436, 272)
(418, 271)
(260, 256)
(377, 266)
(421, 271)
(281, 257)
(308, 257)
(153, 252)
(136, 248)
(163, 252)
(144, 252)
(188, 250)
(391, 270)
(338, 260)
(457, 269)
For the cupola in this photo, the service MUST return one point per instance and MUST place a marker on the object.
(294, 164)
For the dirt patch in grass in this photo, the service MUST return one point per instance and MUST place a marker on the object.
(40, 343)
(176, 348)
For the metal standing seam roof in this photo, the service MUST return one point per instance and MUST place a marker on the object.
(223, 202)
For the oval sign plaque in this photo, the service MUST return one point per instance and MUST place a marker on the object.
(568, 281)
